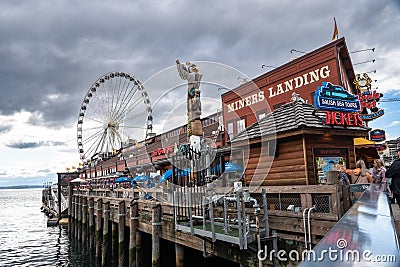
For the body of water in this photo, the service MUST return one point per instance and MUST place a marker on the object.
(25, 239)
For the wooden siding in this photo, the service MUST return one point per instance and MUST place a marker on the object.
(285, 169)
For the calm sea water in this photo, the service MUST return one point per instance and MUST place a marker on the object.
(25, 239)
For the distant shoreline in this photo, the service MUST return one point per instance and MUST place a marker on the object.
(21, 186)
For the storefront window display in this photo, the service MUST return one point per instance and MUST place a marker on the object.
(328, 159)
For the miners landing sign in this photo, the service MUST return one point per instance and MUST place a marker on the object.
(299, 81)
(281, 88)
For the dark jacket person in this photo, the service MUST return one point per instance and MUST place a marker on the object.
(394, 173)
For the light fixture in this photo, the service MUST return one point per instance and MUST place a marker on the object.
(362, 50)
(267, 66)
(372, 60)
(372, 71)
(294, 50)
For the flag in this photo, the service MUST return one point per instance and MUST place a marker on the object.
(67, 169)
(80, 164)
(73, 167)
(335, 31)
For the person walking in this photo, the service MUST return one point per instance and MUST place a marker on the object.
(394, 172)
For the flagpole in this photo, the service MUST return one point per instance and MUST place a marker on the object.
(335, 30)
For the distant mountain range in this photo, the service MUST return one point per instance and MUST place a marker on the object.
(21, 186)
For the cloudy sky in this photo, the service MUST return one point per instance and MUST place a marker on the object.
(52, 52)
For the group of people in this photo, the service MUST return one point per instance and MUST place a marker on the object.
(378, 175)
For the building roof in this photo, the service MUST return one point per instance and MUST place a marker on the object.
(292, 117)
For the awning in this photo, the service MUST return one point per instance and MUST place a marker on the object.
(122, 180)
(365, 149)
(361, 141)
(78, 180)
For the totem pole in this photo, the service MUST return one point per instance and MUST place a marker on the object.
(194, 129)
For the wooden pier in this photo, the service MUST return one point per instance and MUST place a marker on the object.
(103, 218)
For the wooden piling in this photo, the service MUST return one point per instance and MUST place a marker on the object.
(99, 215)
(114, 240)
(139, 259)
(105, 233)
(121, 233)
(76, 217)
(79, 224)
(91, 223)
(84, 221)
(132, 235)
(179, 255)
(155, 255)
(71, 212)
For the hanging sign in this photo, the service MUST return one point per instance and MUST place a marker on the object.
(162, 151)
(377, 135)
(335, 98)
(368, 98)
(380, 147)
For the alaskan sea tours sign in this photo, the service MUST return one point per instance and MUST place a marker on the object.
(341, 107)
(281, 88)
(335, 98)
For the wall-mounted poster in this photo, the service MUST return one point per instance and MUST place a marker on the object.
(329, 159)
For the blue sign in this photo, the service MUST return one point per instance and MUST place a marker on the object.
(377, 135)
(334, 97)
(372, 116)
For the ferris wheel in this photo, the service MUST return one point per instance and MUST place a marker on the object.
(115, 109)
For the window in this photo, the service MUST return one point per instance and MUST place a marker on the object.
(261, 115)
(230, 129)
(241, 125)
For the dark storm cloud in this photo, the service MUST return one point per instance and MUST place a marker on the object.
(70, 44)
(5, 128)
(29, 145)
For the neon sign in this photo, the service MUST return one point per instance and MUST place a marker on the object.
(368, 98)
(335, 98)
(343, 119)
(162, 151)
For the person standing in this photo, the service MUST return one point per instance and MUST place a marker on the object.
(378, 171)
(358, 176)
(379, 176)
(394, 172)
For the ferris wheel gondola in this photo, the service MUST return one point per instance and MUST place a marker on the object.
(115, 108)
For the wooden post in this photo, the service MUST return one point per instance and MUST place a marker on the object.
(84, 220)
(114, 240)
(71, 212)
(76, 217)
(80, 200)
(121, 233)
(179, 255)
(91, 223)
(132, 235)
(139, 260)
(99, 212)
(105, 233)
(155, 255)
(71, 203)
